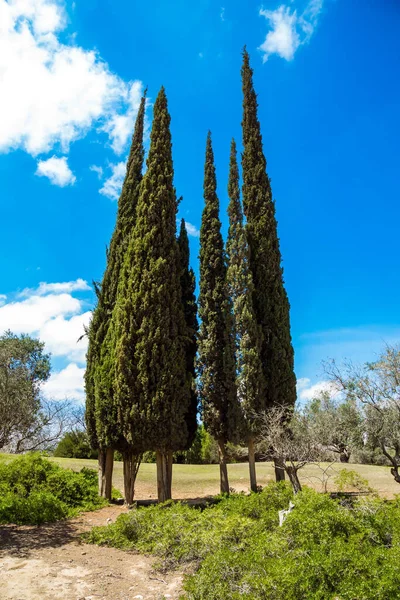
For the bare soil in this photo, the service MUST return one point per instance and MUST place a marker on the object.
(50, 562)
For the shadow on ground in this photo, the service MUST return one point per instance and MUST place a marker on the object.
(22, 541)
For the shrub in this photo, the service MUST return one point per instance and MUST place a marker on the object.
(75, 444)
(34, 490)
(323, 551)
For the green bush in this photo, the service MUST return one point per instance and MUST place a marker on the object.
(323, 551)
(75, 444)
(34, 490)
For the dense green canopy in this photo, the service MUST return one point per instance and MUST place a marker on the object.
(270, 300)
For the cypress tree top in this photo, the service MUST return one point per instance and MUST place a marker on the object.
(216, 360)
(151, 387)
(270, 300)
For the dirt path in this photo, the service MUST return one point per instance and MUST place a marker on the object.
(50, 562)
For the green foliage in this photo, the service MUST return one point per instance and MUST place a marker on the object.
(75, 444)
(348, 480)
(177, 533)
(101, 414)
(216, 360)
(34, 490)
(250, 379)
(147, 366)
(188, 286)
(323, 551)
(270, 300)
(24, 367)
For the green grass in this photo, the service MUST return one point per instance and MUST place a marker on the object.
(191, 481)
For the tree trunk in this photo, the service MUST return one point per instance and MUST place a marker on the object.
(223, 470)
(294, 480)
(164, 475)
(102, 472)
(252, 465)
(131, 468)
(344, 454)
(109, 466)
(279, 470)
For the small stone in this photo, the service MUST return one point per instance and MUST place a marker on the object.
(83, 553)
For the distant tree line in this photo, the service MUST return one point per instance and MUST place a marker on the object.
(152, 368)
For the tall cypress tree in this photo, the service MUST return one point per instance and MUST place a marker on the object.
(151, 386)
(250, 378)
(188, 286)
(216, 361)
(101, 417)
(271, 303)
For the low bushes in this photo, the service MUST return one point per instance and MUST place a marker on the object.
(323, 550)
(34, 490)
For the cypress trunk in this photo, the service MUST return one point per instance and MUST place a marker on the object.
(131, 464)
(164, 475)
(223, 469)
(252, 465)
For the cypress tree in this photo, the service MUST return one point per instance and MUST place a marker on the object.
(250, 379)
(188, 286)
(101, 416)
(270, 300)
(152, 390)
(216, 361)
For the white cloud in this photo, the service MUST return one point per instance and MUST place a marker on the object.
(3, 298)
(288, 30)
(61, 336)
(51, 313)
(112, 186)
(192, 229)
(67, 383)
(120, 127)
(98, 170)
(222, 14)
(53, 92)
(79, 285)
(57, 170)
(306, 391)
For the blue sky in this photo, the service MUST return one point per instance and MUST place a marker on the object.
(326, 72)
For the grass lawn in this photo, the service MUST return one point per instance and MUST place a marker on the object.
(196, 481)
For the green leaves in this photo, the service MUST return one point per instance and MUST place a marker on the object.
(148, 330)
(216, 360)
(270, 300)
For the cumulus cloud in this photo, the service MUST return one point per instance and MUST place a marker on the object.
(289, 30)
(53, 314)
(192, 229)
(67, 383)
(53, 93)
(56, 170)
(3, 298)
(78, 285)
(306, 391)
(112, 186)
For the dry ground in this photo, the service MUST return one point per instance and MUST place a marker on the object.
(50, 562)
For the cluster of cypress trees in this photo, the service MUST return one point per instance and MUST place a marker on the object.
(148, 362)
